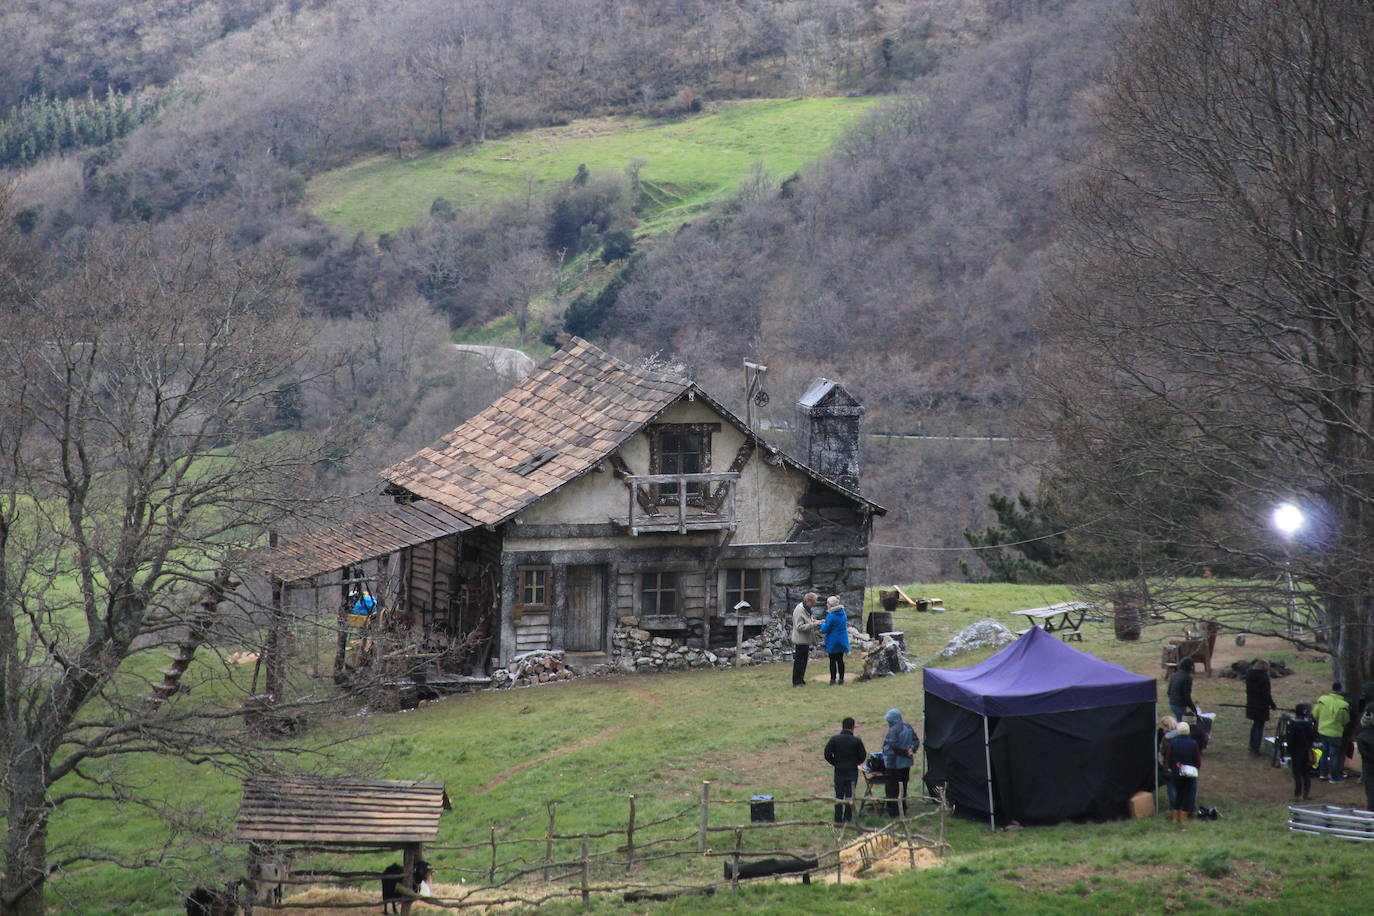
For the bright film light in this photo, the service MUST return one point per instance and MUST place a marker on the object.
(1287, 518)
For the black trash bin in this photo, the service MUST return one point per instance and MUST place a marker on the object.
(761, 809)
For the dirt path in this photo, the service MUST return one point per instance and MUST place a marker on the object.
(503, 360)
(652, 705)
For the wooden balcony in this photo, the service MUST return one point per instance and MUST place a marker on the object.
(680, 503)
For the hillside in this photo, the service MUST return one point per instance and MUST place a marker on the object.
(687, 163)
(910, 263)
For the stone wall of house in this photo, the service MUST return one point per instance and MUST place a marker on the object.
(635, 649)
(839, 564)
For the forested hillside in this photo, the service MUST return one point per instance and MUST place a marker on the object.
(908, 262)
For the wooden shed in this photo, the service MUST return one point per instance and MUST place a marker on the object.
(280, 816)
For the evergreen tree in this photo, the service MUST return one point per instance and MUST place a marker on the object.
(1034, 542)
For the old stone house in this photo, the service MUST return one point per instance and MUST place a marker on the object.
(596, 490)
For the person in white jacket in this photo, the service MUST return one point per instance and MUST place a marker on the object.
(803, 636)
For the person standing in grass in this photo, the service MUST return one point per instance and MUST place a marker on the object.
(1302, 734)
(836, 630)
(1181, 690)
(1184, 758)
(1364, 740)
(899, 751)
(1167, 731)
(803, 635)
(1259, 699)
(1332, 714)
(845, 751)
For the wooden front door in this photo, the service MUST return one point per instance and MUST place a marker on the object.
(585, 630)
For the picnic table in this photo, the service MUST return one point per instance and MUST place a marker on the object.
(1064, 619)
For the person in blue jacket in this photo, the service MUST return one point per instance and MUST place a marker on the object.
(365, 604)
(836, 630)
(899, 750)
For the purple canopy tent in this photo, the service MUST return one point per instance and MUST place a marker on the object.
(1063, 734)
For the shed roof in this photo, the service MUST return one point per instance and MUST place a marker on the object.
(356, 812)
(363, 538)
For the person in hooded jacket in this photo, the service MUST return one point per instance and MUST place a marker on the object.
(835, 628)
(1364, 741)
(1259, 699)
(899, 752)
(1332, 715)
(1302, 734)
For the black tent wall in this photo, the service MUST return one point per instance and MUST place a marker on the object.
(954, 755)
(1047, 767)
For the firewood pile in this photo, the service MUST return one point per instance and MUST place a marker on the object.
(529, 668)
(884, 658)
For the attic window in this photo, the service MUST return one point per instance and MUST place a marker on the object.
(680, 448)
(535, 462)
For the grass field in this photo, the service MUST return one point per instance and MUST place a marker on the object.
(587, 744)
(691, 162)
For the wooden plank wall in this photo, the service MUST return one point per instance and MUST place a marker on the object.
(432, 568)
(534, 631)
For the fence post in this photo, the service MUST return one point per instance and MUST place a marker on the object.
(548, 839)
(705, 814)
(586, 867)
(734, 877)
(940, 850)
(630, 838)
(910, 846)
(839, 853)
(491, 869)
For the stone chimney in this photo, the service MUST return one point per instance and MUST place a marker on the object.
(828, 424)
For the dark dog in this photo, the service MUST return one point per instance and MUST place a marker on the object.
(204, 902)
(391, 883)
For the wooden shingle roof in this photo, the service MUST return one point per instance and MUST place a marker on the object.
(573, 412)
(373, 535)
(361, 812)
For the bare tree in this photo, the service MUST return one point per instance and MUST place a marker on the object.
(130, 481)
(525, 276)
(1216, 353)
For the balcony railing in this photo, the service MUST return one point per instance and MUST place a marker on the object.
(680, 503)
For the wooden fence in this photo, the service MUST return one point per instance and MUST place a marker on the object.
(636, 860)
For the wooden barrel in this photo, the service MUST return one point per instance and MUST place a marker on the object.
(879, 622)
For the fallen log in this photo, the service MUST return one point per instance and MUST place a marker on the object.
(636, 896)
(760, 868)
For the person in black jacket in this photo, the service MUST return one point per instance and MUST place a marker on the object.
(1364, 740)
(1259, 699)
(1302, 734)
(845, 752)
(1181, 690)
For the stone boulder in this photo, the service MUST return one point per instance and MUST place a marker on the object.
(982, 634)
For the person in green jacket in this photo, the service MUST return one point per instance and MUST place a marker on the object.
(1332, 715)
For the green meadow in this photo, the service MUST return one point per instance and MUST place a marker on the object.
(689, 162)
(586, 745)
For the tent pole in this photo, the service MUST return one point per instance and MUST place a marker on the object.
(1154, 762)
(987, 760)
